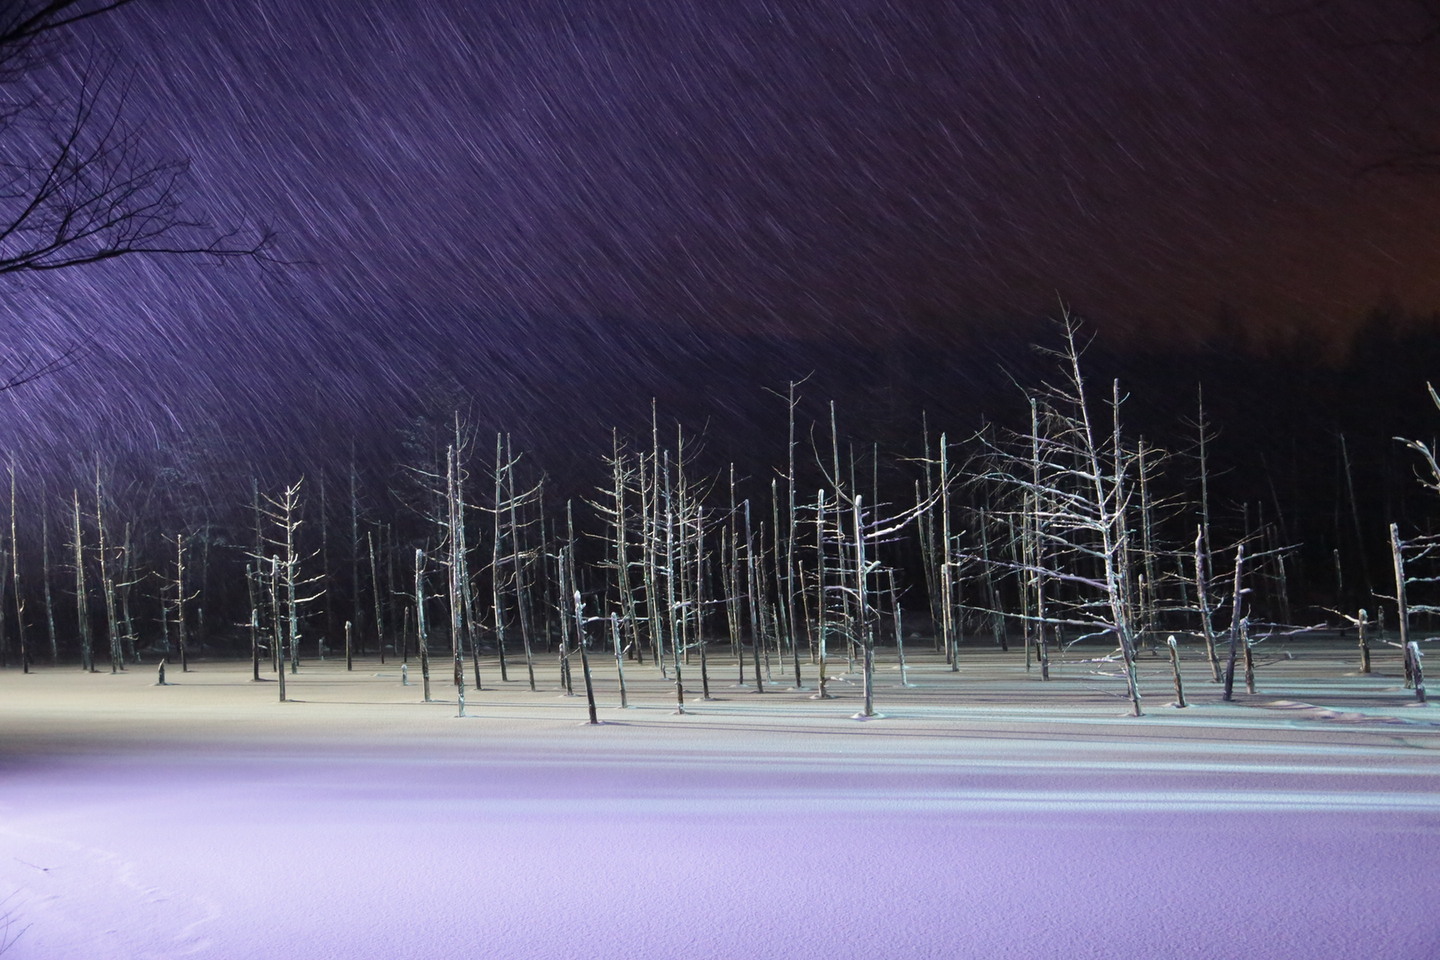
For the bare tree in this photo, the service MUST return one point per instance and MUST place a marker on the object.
(287, 577)
(1076, 473)
(76, 184)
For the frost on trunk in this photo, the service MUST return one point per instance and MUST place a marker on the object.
(1202, 597)
(1424, 546)
(584, 657)
(949, 630)
(511, 556)
(822, 597)
(614, 508)
(899, 628)
(45, 573)
(356, 597)
(730, 579)
(697, 602)
(1417, 673)
(277, 616)
(864, 626)
(866, 533)
(107, 579)
(1362, 636)
(1249, 649)
(752, 579)
(444, 486)
(288, 578)
(254, 643)
(20, 636)
(1402, 605)
(82, 593)
(787, 546)
(619, 659)
(178, 585)
(1175, 671)
(1074, 482)
(1237, 622)
(457, 587)
(375, 594)
(421, 634)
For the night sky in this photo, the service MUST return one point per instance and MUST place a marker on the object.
(522, 207)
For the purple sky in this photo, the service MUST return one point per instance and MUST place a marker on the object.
(465, 179)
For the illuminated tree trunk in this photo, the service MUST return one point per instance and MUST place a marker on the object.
(15, 581)
(375, 594)
(899, 627)
(584, 657)
(619, 658)
(107, 581)
(181, 639)
(822, 619)
(863, 626)
(356, 598)
(497, 582)
(49, 602)
(254, 642)
(752, 575)
(1202, 597)
(1416, 671)
(949, 633)
(1236, 621)
(1402, 604)
(1362, 631)
(82, 593)
(421, 639)
(1175, 669)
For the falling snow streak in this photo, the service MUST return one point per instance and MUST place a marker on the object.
(476, 193)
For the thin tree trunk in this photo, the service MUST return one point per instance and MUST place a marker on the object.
(619, 658)
(822, 627)
(421, 640)
(1175, 669)
(15, 580)
(1362, 628)
(82, 595)
(254, 644)
(1401, 601)
(1235, 624)
(375, 594)
(584, 657)
(1412, 657)
(1207, 629)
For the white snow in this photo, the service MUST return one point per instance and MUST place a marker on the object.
(986, 815)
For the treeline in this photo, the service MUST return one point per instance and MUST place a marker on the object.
(1080, 515)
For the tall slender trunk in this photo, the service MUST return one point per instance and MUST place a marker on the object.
(421, 634)
(82, 594)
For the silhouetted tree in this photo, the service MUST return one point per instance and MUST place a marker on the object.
(76, 184)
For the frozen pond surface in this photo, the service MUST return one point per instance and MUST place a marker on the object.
(207, 820)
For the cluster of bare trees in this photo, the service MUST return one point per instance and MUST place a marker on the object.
(1066, 532)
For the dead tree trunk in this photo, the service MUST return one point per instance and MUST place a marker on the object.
(1412, 657)
(1175, 669)
(422, 645)
(1362, 633)
(584, 657)
(1236, 623)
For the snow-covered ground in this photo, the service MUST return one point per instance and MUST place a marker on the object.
(986, 815)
